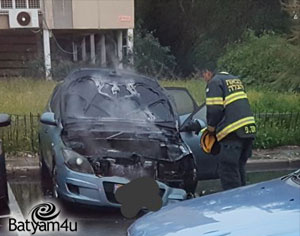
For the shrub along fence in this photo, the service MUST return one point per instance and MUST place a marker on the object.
(273, 129)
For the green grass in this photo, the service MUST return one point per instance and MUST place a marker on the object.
(22, 96)
(261, 99)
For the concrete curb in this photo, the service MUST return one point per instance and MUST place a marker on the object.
(272, 165)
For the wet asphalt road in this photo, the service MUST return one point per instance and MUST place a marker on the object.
(26, 187)
(91, 221)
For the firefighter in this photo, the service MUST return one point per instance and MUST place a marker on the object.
(230, 120)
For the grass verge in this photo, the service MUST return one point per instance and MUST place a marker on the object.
(25, 96)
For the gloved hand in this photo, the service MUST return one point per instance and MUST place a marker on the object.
(211, 129)
(193, 125)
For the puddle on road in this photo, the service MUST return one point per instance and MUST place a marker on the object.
(26, 187)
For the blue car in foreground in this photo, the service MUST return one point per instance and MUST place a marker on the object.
(265, 209)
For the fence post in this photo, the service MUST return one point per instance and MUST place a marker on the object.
(38, 122)
(17, 130)
(25, 126)
(31, 131)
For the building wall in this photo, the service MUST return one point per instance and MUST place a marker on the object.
(83, 14)
(18, 48)
(116, 14)
(92, 14)
(62, 13)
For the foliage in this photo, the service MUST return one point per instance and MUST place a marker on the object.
(277, 131)
(267, 60)
(150, 57)
(292, 7)
(36, 68)
(188, 26)
(205, 54)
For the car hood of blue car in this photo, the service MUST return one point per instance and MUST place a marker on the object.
(268, 208)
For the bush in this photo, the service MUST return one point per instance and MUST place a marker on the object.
(270, 136)
(150, 57)
(204, 55)
(268, 60)
(36, 69)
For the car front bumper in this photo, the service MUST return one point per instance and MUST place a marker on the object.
(100, 191)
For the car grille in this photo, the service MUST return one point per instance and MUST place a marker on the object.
(109, 191)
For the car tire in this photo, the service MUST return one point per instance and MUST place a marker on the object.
(190, 180)
(48, 180)
(54, 183)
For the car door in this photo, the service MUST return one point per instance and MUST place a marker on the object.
(187, 110)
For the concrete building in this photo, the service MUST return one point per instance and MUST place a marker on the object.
(96, 31)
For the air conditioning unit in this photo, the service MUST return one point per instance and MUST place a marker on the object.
(23, 18)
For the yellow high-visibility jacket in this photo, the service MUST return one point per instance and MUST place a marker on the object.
(228, 108)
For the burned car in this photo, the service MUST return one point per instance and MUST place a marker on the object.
(102, 129)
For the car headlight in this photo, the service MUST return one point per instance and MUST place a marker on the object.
(76, 162)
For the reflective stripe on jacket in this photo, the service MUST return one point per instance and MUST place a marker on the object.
(228, 108)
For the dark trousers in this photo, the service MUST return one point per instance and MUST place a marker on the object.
(234, 154)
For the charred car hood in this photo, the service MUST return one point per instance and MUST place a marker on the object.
(102, 95)
(116, 139)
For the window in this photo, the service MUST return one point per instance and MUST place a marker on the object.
(6, 4)
(35, 4)
(184, 102)
(21, 4)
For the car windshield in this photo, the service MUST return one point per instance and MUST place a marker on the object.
(95, 98)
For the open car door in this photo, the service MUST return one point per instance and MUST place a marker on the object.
(187, 109)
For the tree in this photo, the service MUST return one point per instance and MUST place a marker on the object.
(293, 8)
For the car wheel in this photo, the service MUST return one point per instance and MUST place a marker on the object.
(49, 186)
(54, 183)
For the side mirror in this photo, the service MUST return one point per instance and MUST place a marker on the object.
(4, 120)
(48, 119)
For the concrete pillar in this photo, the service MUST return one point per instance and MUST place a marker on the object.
(93, 51)
(120, 48)
(102, 50)
(75, 51)
(130, 40)
(47, 54)
(83, 49)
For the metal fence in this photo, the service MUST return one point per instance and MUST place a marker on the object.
(22, 134)
(278, 120)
